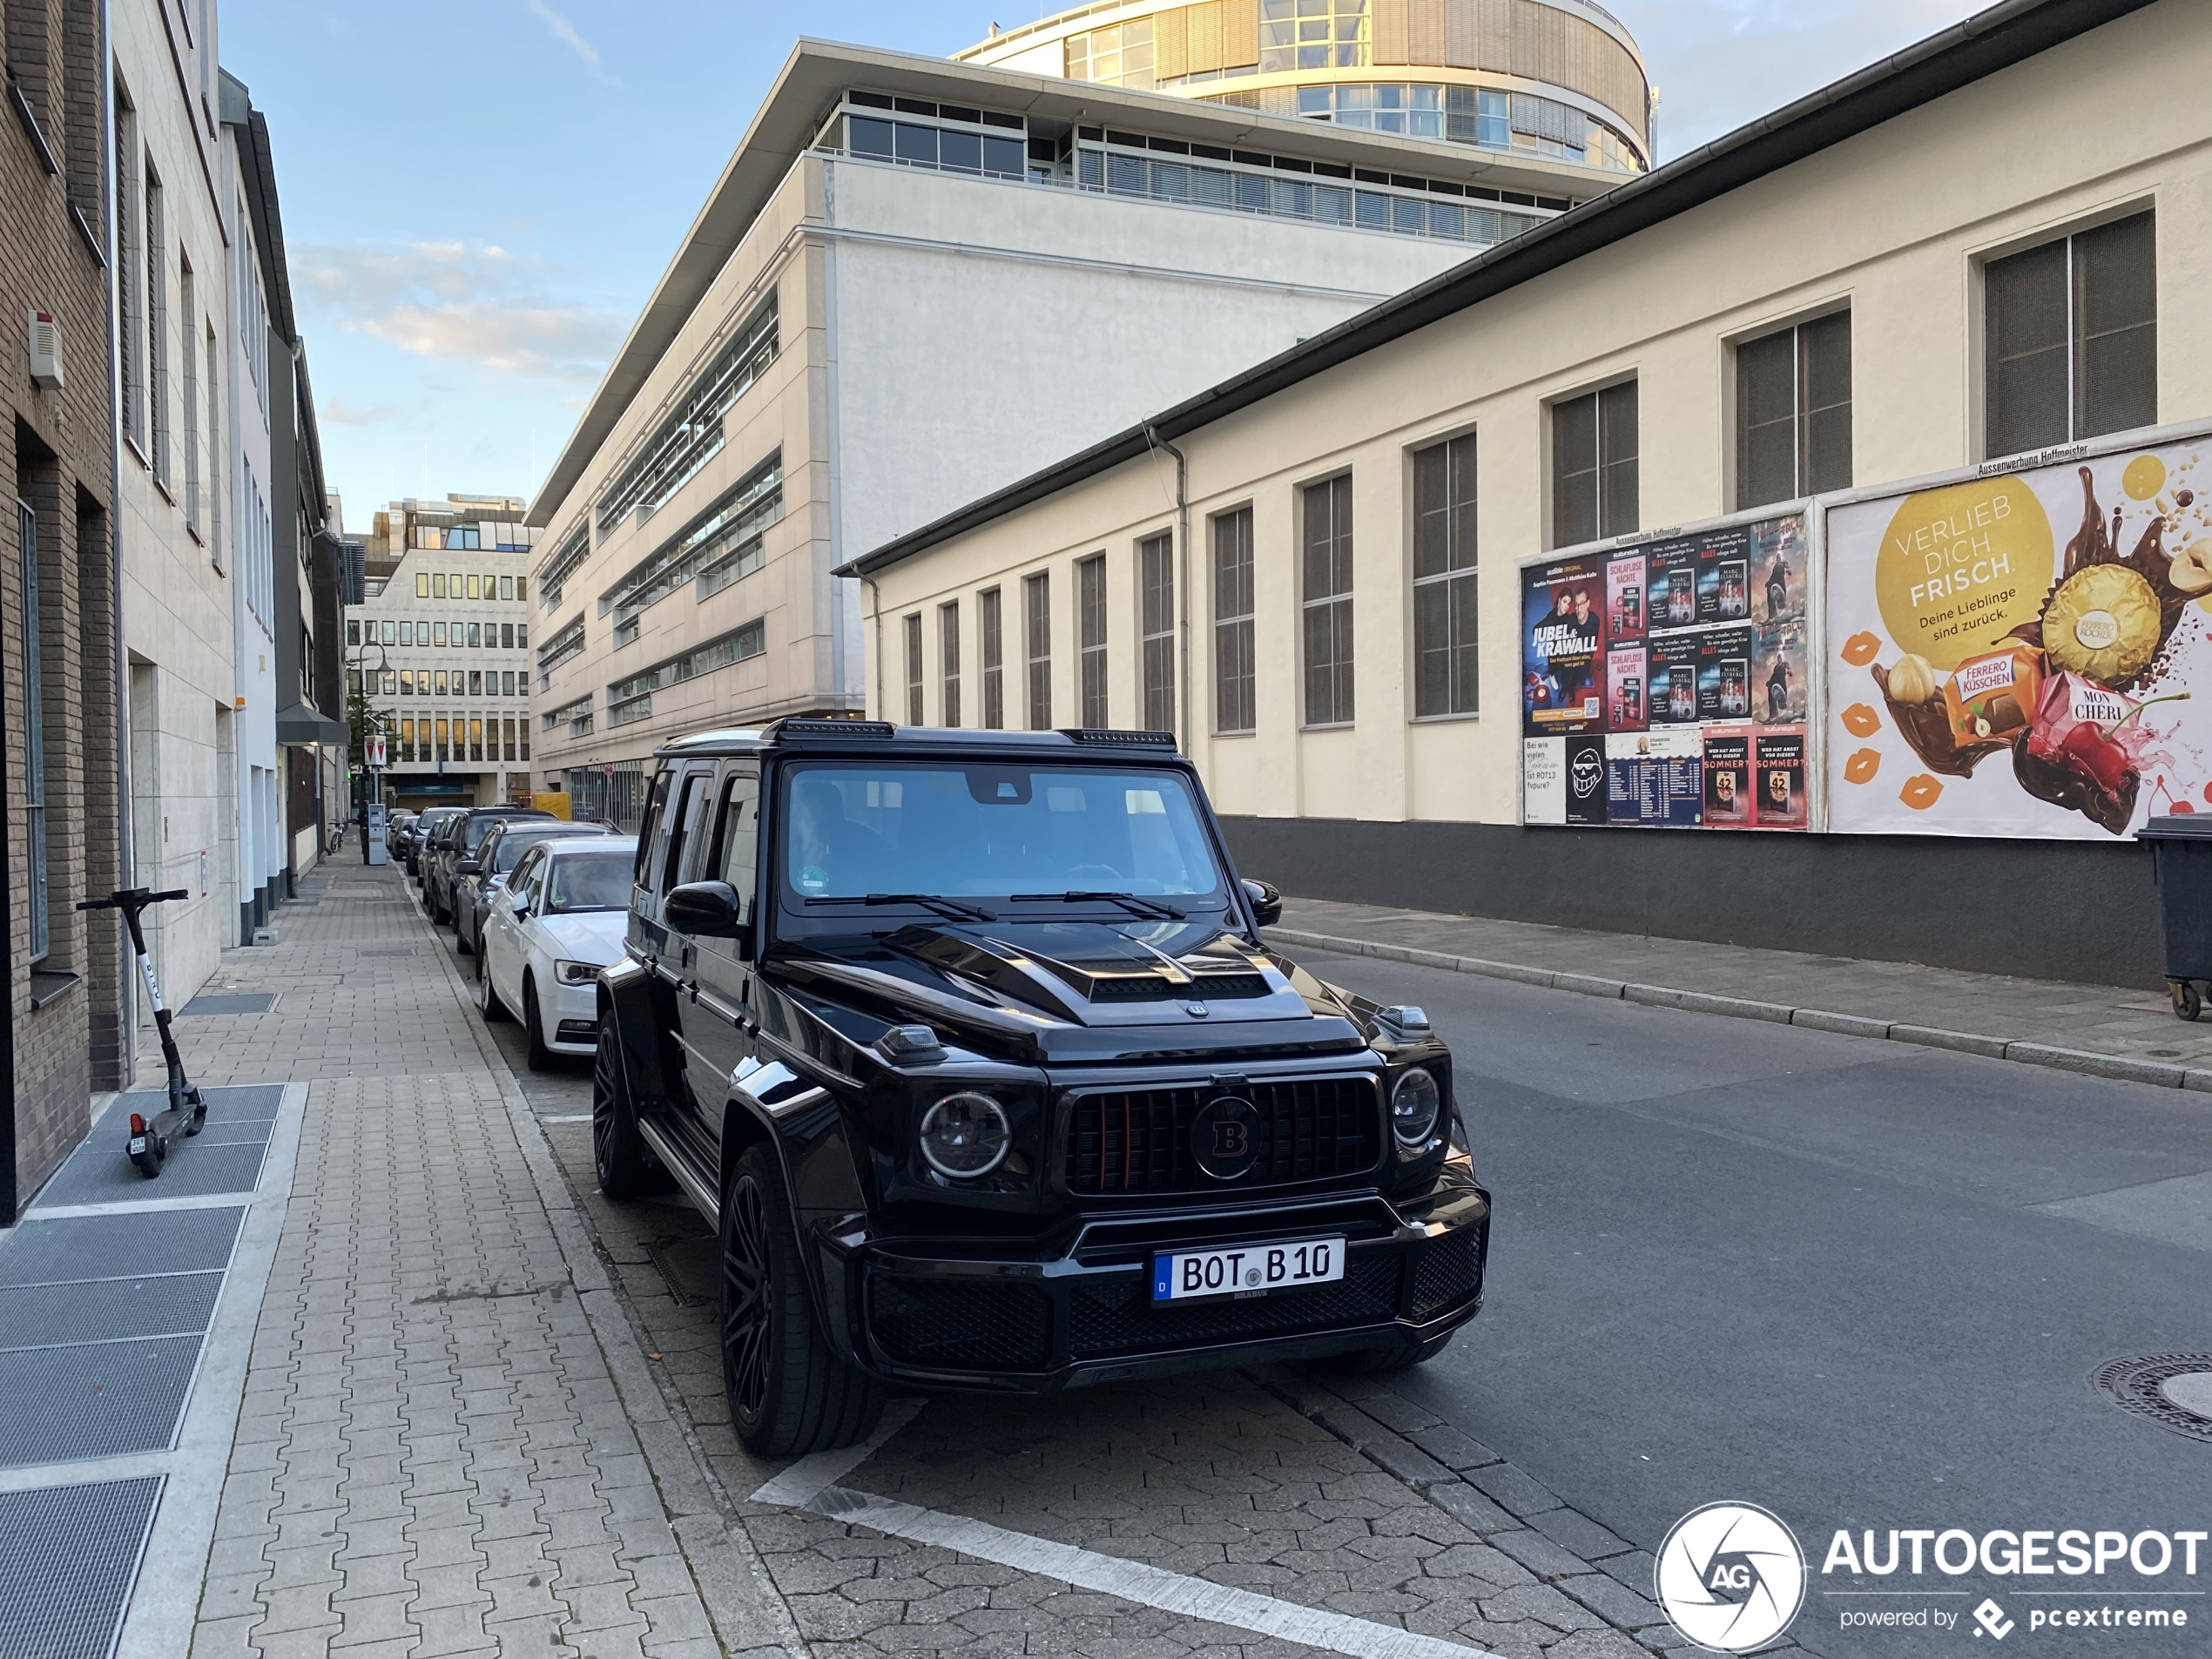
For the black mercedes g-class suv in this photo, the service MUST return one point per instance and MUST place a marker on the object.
(970, 1044)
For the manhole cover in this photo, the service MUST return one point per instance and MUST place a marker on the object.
(2173, 1390)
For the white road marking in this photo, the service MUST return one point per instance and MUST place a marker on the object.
(799, 1485)
(1154, 1587)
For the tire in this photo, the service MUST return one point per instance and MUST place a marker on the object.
(488, 1002)
(1368, 1362)
(540, 1056)
(461, 938)
(788, 1393)
(625, 1168)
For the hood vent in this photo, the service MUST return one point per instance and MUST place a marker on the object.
(1154, 987)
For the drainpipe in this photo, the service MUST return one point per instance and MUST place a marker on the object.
(1182, 576)
(126, 853)
(875, 616)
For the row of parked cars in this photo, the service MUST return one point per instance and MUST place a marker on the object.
(538, 906)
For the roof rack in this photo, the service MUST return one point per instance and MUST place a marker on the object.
(1133, 739)
(800, 725)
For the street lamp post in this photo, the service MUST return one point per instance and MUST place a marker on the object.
(374, 736)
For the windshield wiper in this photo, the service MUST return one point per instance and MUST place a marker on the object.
(1151, 909)
(951, 908)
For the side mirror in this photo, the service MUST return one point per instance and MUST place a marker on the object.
(469, 866)
(1266, 901)
(705, 909)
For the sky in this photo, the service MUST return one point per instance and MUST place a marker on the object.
(479, 195)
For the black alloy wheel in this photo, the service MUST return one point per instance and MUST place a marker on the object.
(625, 1167)
(540, 1056)
(788, 1393)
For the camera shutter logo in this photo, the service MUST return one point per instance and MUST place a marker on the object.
(1730, 1577)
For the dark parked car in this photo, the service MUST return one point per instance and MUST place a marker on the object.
(477, 880)
(462, 837)
(970, 1043)
(421, 832)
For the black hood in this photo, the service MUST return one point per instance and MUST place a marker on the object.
(1079, 989)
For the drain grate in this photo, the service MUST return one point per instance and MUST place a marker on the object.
(691, 1268)
(388, 950)
(79, 1248)
(67, 1557)
(109, 1399)
(98, 1172)
(2139, 1385)
(40, 1316)
(231, 1002)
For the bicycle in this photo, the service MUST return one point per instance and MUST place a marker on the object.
(149, 1142)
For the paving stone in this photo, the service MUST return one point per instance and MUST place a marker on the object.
(1453, 1449)
(1538, 1554)
(1513, 1489)
(1572, 1530)
(1611, 1600)
(1463, 1503)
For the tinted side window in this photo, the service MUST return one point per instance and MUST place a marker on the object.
(649, 830)
(526, 875)
(737, 837)
(681, 826)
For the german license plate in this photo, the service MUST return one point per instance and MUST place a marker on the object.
(1248, 1270)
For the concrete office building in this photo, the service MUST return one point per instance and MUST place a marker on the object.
(1559, 78)
(1846, 293)
(61, 1031)
(917, 281)
(439, 649)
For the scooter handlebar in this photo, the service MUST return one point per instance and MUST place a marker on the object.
(136, 898)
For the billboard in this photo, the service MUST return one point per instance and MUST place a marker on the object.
(1666, 683)
(2015, 654)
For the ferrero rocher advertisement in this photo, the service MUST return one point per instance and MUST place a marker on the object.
(2015, 654)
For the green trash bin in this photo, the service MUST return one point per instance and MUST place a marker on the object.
(2182, 862)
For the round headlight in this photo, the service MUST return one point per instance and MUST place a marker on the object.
(1414, 1106)
(965, 1136)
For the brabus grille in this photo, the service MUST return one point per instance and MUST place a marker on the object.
(1139, 1141)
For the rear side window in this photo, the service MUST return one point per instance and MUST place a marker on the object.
(687, 811)
(737, 836)
(649, 830)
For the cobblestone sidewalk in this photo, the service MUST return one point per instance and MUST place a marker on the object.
(442, 1450)
(2104, 1031)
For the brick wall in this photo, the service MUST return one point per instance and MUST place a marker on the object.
(55, 457)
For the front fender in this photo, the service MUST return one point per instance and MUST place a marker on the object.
(628, 990)
(803, 1125)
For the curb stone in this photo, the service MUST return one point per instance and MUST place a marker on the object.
(2082, 1061)
(1528, 1523)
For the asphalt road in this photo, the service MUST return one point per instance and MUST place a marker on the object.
(1733, 1260)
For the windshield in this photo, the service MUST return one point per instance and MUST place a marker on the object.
(588, 881)
(995, 830)
(480, 827)
(508, 851)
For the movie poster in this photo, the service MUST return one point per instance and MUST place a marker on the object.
(1780, 690)
(1563, 648)
(1624, 582)
(1728, 778)
(1778, 788)
(1777, 559)
(2015, 654)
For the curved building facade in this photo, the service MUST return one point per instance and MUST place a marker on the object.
(1561, 80)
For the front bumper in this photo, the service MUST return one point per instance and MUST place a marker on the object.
(999, 1321)
(571, 1016)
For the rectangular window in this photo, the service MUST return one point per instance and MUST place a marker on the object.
(1444, 578)
(507, 636)
(127, 256)
(2071, 336)
(156, 279)
(438, 586)
(354, 630)
(507, 682)
(523, 592)
(1156, 582)
(406, 682)
(1326, 587)
(1091, 618)
(506, 591)
(914, 714)
(390, 629)
(475, 681)
(406, 739)
(476, 740)
(34, 727)
(473, 593)
(421, 584)
(1594, 465)
(948, 660)
(214, 453)
(475, 635)
(991, 640)
(1793, 411)
(1233, 706)
(188, 338)
(453, 586)
(442, 683)
(443, 740)
(406, 633)
(1037, 603)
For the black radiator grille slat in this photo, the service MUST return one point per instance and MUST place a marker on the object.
(1139, 1141)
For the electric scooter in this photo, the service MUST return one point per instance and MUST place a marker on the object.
(149, 1142)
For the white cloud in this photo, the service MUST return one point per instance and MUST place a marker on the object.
(563, 31)
(339, 411)
(479, 306)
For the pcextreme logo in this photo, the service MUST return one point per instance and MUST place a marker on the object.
(1730, 1577)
